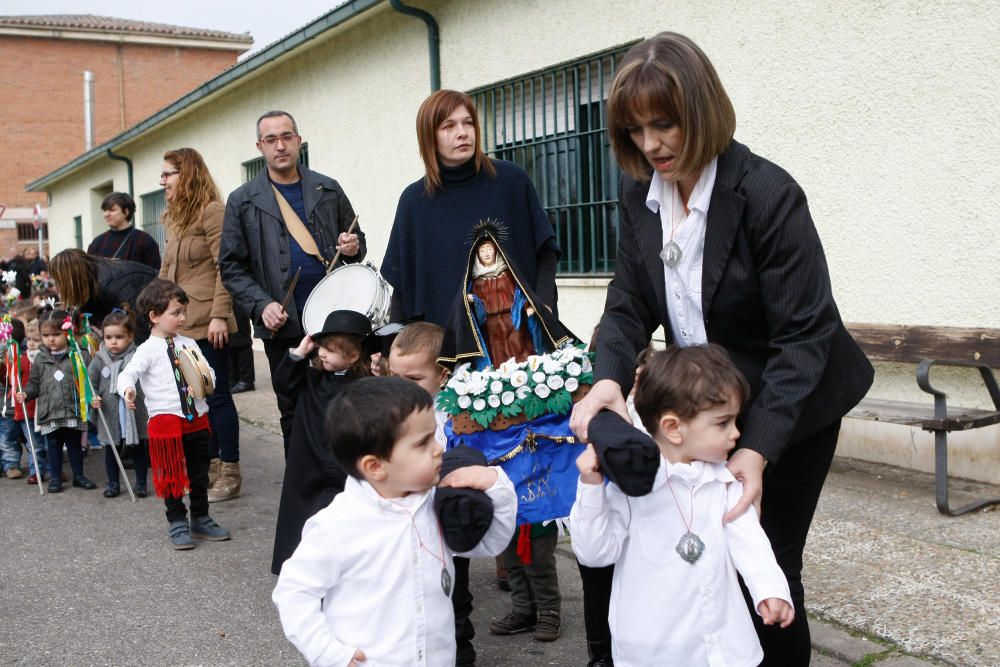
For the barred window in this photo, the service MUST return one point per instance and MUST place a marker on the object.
(26, 231)
(552, 124)
(153, 206)
(253, 167)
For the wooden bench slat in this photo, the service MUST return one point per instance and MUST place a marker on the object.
(922, 415)
(912, 344)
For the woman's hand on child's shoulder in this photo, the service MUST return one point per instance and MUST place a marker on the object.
(480, 478)
(776, 610)
(589, 466)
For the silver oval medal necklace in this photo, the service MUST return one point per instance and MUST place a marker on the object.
(689, 547)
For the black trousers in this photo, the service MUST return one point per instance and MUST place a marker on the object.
(596, 604)
(140, 461)
(461, 602)
(241, 352)
(791, 492)
(196, 447)
(275, 349)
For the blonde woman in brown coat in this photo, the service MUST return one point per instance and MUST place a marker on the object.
(193, 221)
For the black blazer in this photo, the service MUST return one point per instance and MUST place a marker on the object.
(765, 297)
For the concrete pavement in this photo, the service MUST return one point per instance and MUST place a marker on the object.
(91, 581)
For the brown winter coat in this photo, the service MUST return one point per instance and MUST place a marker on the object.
(192, 261)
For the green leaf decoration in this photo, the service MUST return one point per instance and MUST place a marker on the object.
(511, 410)
(534, 407)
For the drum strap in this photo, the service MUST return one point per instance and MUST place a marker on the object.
(296, 227)
(187, 402)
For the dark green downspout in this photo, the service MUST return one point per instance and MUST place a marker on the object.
(128, 166)
(433, 39)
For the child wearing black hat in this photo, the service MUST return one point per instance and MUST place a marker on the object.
(371, 580)
(312, 476)
(675, 596)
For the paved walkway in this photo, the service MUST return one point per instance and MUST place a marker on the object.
(91, 581)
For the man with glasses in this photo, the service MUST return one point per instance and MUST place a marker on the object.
(287, 221)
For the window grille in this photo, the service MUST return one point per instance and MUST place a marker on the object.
(253, 167)
(153, 206)
(552, 124)
(26, 231)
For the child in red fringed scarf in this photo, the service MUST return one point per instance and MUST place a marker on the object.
(58, 383)
(178, 430)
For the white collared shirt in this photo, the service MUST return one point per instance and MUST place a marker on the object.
(683, 282)
(360, 578)
(701, 617)
(150, 365)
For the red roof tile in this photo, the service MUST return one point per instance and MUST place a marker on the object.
(112, 24)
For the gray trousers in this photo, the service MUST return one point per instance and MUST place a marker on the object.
(534, 587)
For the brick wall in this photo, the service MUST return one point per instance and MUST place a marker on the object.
(41, 100)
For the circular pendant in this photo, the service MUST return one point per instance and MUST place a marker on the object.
(671, 254)
(690, 547)
(446, 582)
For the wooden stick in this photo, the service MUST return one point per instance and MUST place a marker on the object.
(350, 230)
(291, 288)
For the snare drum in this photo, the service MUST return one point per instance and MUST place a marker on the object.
(357, 287)
(196, 371)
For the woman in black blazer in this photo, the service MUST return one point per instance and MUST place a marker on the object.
(717, 245)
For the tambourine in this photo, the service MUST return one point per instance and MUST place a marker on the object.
(196, 371)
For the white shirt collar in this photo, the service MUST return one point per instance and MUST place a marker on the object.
(368, 494)
(701, 195)
(693, 474)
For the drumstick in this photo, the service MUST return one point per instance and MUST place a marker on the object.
(350, 230)
(291, 288)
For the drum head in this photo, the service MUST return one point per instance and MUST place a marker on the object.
(352, 287)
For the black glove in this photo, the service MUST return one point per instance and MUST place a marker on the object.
(628, 457)
(465, 514)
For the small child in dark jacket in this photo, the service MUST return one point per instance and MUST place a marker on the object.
(128, 427)
(312, 476)
(57, 408)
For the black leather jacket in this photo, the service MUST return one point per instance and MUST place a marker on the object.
(254, 276)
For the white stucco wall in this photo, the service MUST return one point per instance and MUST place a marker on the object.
(886, 113)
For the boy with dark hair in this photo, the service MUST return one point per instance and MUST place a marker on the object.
(675, 560)
(178, 430)
(372, 578)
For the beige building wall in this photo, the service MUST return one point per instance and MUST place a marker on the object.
(886, 114)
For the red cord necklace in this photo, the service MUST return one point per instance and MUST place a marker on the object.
(690, 547)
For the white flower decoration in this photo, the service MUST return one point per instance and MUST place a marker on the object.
(464, 402)
(555, 382)
(518, 379)
(534, 361)
(572, 384)
(478, 404)
(542, 391)
(493, 400)
(477, 384)
(551, 365)
(496, 387)
(462, 372)
(507, 367)
(523, 392)
(586, 365)
(507, 398)
(538, 377)
(460, 387)
(574, 369)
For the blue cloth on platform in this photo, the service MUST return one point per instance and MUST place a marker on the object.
(545, 479)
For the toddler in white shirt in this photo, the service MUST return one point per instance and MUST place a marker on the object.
(675, 597)
(371, 581)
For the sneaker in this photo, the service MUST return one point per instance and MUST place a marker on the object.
(180, 535)
(512, 624)
(547, 629)
(140, 489)
(206, 528)
(83, 483)
(111, 490)
(14, 473)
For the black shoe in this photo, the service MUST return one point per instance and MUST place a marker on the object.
(83, 483)
(55, 486)
(111, 490)
(241, 387)
(140, 490)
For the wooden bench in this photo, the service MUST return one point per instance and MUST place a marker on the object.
(927, 347)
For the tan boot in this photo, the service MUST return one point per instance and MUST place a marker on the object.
(227, 486)
(213, 471)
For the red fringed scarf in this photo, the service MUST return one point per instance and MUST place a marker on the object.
(166, 452)
(524, 543)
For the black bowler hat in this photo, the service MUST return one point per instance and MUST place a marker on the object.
(627, 456)
(345, 322)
